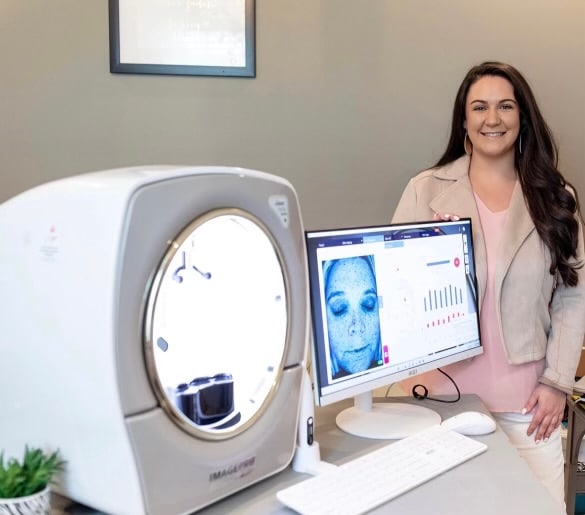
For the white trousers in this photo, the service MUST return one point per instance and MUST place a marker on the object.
(545, 458)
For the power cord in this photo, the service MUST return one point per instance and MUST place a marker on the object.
(425, 394)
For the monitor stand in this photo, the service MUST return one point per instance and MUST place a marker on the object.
(385, 420)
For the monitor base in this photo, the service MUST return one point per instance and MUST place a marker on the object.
(388, 421)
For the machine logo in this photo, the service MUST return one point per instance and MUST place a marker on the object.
(237, 470)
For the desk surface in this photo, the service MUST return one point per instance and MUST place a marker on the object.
(497, 481)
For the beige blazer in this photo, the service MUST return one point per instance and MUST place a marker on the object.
(537, 316)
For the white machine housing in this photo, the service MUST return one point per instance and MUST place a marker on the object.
(76, 260)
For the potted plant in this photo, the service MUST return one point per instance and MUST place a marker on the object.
(25, 485)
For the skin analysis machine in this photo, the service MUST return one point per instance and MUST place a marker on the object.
(154, 328)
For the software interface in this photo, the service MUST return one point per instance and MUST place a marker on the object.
(390, 301)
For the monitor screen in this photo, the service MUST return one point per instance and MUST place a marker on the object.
(389, 302)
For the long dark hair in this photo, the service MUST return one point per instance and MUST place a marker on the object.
(552, 206)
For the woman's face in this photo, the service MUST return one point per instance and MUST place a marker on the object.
(492, 117)
(352, 315)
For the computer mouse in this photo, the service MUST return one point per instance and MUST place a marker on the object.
(470, 423)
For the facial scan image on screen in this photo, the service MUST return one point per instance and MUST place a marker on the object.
(351, 299)
(389, 302)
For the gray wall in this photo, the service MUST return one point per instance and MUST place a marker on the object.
(351, 97)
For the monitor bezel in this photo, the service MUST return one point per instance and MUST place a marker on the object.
(377, 379)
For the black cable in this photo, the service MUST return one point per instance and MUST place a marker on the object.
(425, 394)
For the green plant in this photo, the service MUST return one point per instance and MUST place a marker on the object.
(35, 472)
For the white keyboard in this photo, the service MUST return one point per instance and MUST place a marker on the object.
(366, 482)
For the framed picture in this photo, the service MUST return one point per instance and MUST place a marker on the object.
(183, 37)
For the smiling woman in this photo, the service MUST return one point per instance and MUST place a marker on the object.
(500, 169)
(492, 117)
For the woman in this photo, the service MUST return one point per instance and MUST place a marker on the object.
(353, 322)
(500, 169)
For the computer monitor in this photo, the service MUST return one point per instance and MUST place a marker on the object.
(387, 303)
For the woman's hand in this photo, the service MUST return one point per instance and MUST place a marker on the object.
(445, 217)
(548, 405)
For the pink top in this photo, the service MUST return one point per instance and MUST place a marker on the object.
(502, 387)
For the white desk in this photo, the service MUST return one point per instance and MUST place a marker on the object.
(498, 482)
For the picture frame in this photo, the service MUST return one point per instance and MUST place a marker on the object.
(183, 37)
